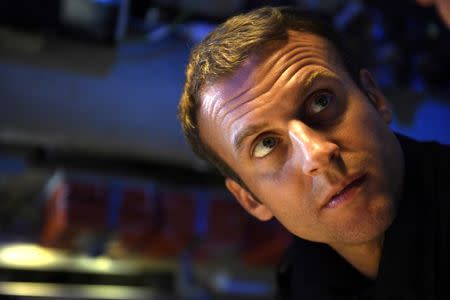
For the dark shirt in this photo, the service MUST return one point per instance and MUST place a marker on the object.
(415, 262)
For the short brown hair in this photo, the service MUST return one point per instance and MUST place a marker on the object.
(226, 48)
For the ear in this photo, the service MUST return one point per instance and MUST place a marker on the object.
(375, 95)
(247, 201)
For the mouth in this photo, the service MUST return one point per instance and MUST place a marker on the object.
(345, 191)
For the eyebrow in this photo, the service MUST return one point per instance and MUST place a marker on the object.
(306, 85)
(315, 76)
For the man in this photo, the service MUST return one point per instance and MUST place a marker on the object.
(300, 132)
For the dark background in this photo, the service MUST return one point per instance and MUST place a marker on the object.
(97, 185)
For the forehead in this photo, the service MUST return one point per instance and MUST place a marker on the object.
(301, 50)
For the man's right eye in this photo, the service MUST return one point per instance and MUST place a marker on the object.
(264, 146)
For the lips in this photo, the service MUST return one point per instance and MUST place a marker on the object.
(345, 191)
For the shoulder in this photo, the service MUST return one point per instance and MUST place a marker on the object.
(311, 270)
(427, 170)
(427, 164)
(297, 268)
(422, 225)
(429, 154)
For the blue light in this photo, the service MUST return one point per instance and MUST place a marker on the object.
(377, 31)
(241, 287)
(344, 17)
(313, 4)
(12, 165)
(106, 1)
(417, 84)
(196, 31)
(385, 52)
(114, 204)
(201, 213)
(159, 33)
(431, 122)
(384, 75)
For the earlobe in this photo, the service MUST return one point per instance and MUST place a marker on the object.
(247, 201)
(375, 95)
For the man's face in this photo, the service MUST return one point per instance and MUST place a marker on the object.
(314, 150)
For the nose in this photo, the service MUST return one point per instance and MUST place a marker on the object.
(315, 150)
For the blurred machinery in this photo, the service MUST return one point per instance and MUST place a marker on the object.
(405, 42)
(408, 43)
(75, 236)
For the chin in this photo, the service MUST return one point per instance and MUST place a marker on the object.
(367, 226)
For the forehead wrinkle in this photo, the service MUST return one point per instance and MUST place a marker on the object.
(287, 59)
(309, 80)
(252, 93)
(307, 42)
(317, 43)
(230, 102)
(305, 59)
(295, 69)
(294, 50)
(252, 90)
(257, 106)
(285, 55)
(252, 104)
(279, 58)
(303, 54)
(257, 91)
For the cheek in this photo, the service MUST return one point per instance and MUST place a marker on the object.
(289, 197)
(373, 138)
(363, 125)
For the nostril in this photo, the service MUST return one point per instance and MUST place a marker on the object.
(313, 171)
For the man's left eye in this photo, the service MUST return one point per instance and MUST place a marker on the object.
(320, 102)
(264, 147)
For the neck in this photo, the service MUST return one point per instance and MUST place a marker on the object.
(364, 257)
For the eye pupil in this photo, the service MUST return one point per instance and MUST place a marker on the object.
(269, 142)
(323, 101)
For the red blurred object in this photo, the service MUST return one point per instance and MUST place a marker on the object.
(266, 243)
(55, 216)
(138, 219)
(225, 231)
(177, 232)
(87, 206)
(75, 214)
